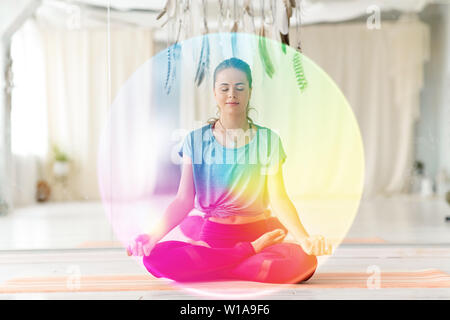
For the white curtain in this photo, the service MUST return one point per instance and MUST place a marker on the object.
(77, 86)
(29, 133)
(63, 99)
(380, 72)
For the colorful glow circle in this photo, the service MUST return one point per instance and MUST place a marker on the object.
(138, 164)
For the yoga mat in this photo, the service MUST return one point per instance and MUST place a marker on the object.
(430, 278)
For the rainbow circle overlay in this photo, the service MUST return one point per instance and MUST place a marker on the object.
(138, 169)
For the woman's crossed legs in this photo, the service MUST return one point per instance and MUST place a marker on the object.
(274, 263)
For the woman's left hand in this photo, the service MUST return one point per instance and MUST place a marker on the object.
(316, 245)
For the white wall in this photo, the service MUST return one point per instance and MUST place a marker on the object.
(10, 11)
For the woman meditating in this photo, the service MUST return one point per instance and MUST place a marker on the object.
(232, 171)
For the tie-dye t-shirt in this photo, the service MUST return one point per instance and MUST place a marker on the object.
(232, 181)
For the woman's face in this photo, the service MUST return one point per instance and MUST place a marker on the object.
(232, 91)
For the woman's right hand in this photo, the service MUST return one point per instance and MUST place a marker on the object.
(142, 245)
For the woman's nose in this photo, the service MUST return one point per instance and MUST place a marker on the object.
(232, 93)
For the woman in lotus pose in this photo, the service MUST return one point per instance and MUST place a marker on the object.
(233, 168)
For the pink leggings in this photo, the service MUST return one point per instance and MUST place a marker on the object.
(231, 256)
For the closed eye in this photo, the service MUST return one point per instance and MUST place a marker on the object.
(238, 89)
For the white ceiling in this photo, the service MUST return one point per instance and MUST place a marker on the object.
(128, 4)
(350, 5)
(314, 11)
(143, 12)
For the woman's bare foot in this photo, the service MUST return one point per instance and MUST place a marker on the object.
(268, 239)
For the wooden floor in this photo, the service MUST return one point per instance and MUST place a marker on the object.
(401, 219)
(406, 235)
(347, 260)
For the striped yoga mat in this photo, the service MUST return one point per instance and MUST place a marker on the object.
(431, 278)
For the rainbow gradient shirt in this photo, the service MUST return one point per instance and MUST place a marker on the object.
(232, 181)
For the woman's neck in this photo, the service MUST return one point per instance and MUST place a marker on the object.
(233, 123)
